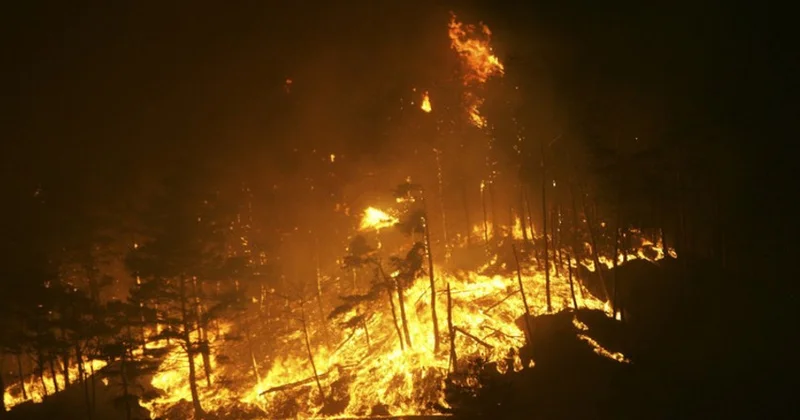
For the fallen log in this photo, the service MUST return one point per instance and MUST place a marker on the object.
(478, 340)
(295, 384)
(494, 305)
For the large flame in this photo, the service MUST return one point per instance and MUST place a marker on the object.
(471, 42)
(377, 219)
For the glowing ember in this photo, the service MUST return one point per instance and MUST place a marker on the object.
(426, 103)
(377, 219)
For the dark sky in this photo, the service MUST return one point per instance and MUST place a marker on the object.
(95, 90)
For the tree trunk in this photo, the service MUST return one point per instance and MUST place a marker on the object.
(65, 359)
(595, 253)
(45, 393)
(366, 333)
(440, 177)
(493, 208)
(533, 234)
(453, 356)
(465, 204)
(84, 382)
(21, 376)
(402, 302)
(124, 380)
(53, 373)
(93, 384)
(187, 341)
(311, 355)
(485, 217)
(318, 275)
(571, 283)
(202, 331)
(252, 352)
(577, 246)
(522, 221)
(391, 304)
(522, 292)
(544, 237)
(432, 279)
(554, 241)
(614, 285)
(2, 389)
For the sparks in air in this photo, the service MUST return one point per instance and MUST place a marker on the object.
(426, 102)
(377, 219)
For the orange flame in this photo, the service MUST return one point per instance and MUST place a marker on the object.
(479, 60)
(472, 45)
(377, 219)
(426, 103)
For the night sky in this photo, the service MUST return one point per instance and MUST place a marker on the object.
(101, 95)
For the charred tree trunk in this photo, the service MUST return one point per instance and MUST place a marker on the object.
(187, 341)
(391, 304)
(202, 330)
(85, 383)
(40, 370)
(465, 204)
(485, 217)
(54, 375)
(65, 360)
(615, 276)
(21, 376)
(318, 275)
(93, 385)
(402, 303)
(577, 246)
(310, 354)
(493, 208)
(366, 333)
(440, 178)
(571, 283)
(453, 356)
(595, 253)
(124, 380)
(544, 230)
(522, 220)
(251, 349)
(554, 242)
(533, 234)
(2, 389)
(522, 292)
(432, 279)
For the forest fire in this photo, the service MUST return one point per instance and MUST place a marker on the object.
(268, 297)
